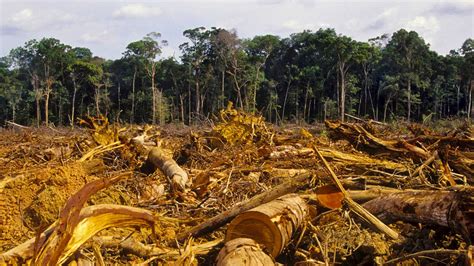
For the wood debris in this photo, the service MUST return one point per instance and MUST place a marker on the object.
(243, 192)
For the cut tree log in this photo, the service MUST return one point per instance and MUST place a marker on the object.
(160, 159)
(454, 209)
(224, 217)
(271, 224)
(243, 252)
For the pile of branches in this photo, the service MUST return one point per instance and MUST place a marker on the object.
(246, 193)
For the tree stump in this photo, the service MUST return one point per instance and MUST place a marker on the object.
(243, 252)
(271, 224)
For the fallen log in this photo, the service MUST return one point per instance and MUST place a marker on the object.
(271, 224)
(243, 252)
(354, 159)
(221, 219)
(359, 136)
(159, 159)
(453, 209)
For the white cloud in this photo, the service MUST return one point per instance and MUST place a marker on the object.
(421, 23)
(137, 11)
(22, 16)
(427, 27)
(96, 37)
(295, 25)
(26, 20)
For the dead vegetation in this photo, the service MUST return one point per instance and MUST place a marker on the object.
(240, 193)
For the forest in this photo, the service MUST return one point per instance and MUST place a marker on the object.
(306, 77)
(238, 152)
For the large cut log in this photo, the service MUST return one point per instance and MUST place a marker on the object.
(243, 252)
(160, 159)
(215, 222)
(454, 209)
(271, 224)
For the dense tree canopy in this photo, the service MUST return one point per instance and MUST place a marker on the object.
(308, 76)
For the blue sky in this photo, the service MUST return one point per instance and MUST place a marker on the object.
(106, 27)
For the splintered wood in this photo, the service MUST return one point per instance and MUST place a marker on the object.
(243, 192)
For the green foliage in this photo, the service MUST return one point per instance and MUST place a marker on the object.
(308, 76)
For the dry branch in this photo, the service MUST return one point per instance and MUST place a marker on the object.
(139, 249)
(221, 219)
(357, 135)
(355, 206)
(271, 224)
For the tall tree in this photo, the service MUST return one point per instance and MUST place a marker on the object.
(259, 50)
(51, 54)
(147, 50)
(25, 57)
(194, 54)
(467, 50)
(406, 52)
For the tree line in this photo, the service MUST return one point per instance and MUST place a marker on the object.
(308, 76)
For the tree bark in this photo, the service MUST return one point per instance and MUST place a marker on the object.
(161, 160)
(243, 252)
(454, 209)
(272, 224)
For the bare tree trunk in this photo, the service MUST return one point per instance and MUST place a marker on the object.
(73, 105)
(38, 109)
(189, 103)
(35, 83)
(46, 108)
(305, 102)
(97, 101)
(469, 100)
(181, 106)
(342, 93)
(254, 93)
(197, 97)
(385, 109)
(286, 98)
(409, 99)
(13, 112)
(458, 98)
(132, 117)
(222, 100)
(118, 100)
(153, 91)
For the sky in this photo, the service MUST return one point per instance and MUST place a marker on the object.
(106, 26)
